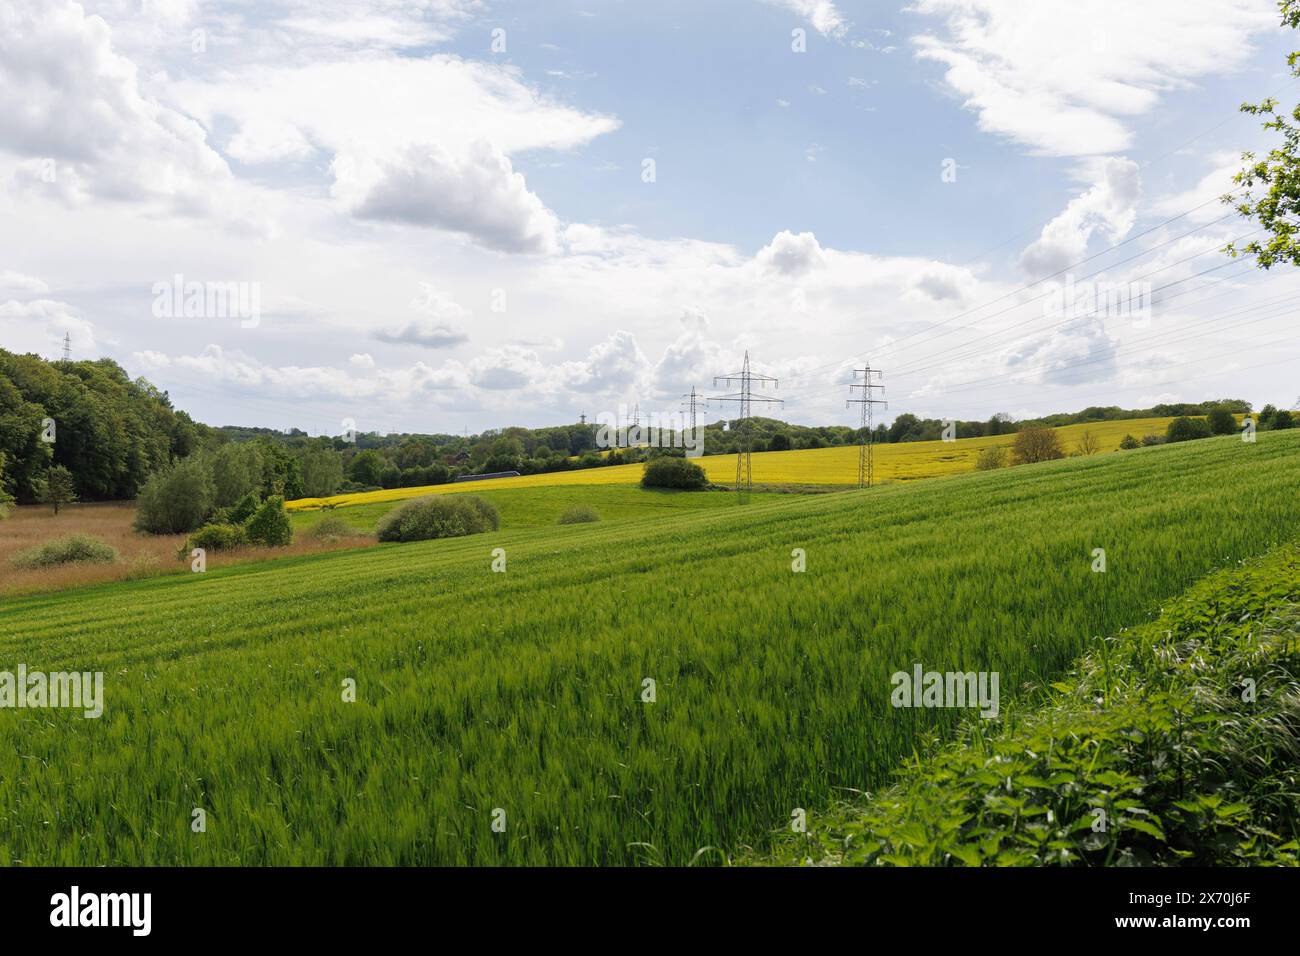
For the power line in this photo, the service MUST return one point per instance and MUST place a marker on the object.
(980, 352)
(1147, 386)
(1074, 265)
(1025, 288)
(915, 369)
(1278, 308)
(1145, 275)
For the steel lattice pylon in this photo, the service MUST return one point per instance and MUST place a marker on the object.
(866, 451)
(745, 398)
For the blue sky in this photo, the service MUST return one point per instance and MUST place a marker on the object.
(443, 236)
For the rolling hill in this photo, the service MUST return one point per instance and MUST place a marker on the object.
(837, 466)
(522, 696)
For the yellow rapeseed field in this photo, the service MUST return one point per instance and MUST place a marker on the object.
(815, 466)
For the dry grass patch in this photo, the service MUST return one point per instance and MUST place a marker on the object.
(139, 555)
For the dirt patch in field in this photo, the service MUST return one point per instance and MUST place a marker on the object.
(138, 555)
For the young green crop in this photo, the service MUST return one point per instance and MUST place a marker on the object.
(524, 691)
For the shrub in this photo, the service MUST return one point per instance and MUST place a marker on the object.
(238, 513)
(72, 549)
(216, 537)
(245, 508)
(1149, 440)
(672, 472)
(269, 526)
(438, 516)
(331, 528)
(579, 514)
(175, 499)
(1221, 421)
(143, 565)
(991, 458)
(1088, 444)
(1036, 443)
(1283, 419)
(1128, 441)
(352, 488)
(1187, 429)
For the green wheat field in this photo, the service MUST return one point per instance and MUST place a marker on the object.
(479, 692)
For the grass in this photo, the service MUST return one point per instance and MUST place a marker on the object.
(539, 507)
(144, 555)
(818, 466)
(523, 690)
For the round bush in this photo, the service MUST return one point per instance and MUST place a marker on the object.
(73, 549)
(1222, 421)
(331, 528)
(991, 458)
(579, 514)
(438, 516)
(218, 537)
(1187, 429)
(671, 472)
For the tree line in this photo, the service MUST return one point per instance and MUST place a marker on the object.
(88, 418)
(87, 431)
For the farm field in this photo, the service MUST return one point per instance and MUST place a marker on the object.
(522, 691)
(539, 507)
(145, 555)
(815, 466)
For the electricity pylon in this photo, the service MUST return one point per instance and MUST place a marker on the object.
(693, 399)
(866, 451)
(745, 398)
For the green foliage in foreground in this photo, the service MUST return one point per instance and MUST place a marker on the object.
(1176, 742)
(71, 549)
(524, 690)
(438, 516)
